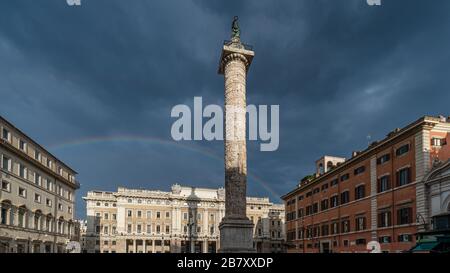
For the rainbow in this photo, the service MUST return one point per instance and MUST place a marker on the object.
(156, 141)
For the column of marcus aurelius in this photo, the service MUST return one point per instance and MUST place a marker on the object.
(236, 230)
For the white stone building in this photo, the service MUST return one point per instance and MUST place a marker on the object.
(185, 219)
(37, 195)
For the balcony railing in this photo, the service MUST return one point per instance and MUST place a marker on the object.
(245, 46)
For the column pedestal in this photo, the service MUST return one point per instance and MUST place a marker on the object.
(236, 236)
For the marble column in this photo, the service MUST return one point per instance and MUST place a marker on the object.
(235, 228)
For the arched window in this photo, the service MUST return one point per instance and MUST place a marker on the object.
(48, 223)
(37, 220)
(22, 219)
(5, 212)
(321, 168)
(329, 165)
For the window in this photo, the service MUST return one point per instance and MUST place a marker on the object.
(345, 197)
(167, 229)
(405, 238)
(48, 202)
(60, 207)
(60, 171)
(37, 155)
(359, 170)
(105, 230)
(158, 215)
(37, 198)
(384, 219)
(360, 192)
(403, 177)
(211, 230)
(167, 214)
(316, 190)
(22, 145)
(22, 192)
(106, 217)
(158, 229)
(23, 171)
(325, 230)
(49, 185)
(384, 184)
(139, 214)
(315, 207)
(149, 228)
(383, 159)
(308, 210)
(37, 179)
(114, 216)
(437, 142)
(129, 227)
(138, 228)
(345, 226)
(185, 216)
(345, 177)
(316, 231)
(6, 164)
(334, 201)
(149, 214)
(308, 194)
(404, 216)
(6, 186)
(300, 198)
(324, 204)
(360, 223)
(300, 213)
(402, 150)
(324, 186)
(334, 182)
(384, 239)
(361, 241)
(6, 135)
(129, 213)
(49, 163)
(334, 228)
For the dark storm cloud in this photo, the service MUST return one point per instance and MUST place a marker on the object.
(340, 71)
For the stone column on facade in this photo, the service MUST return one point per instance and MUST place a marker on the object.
(235, 228)
(153, 245)
(423, 166)
(144, 247)
(134, 246)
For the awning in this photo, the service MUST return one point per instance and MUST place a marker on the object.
(425, 246)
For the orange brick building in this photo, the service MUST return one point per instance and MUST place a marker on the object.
(376, 195)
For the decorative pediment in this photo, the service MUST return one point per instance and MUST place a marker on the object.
(438, 170)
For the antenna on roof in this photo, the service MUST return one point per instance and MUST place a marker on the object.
(369, 138)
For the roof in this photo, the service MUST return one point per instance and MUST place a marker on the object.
(425, 120)
(36, 144)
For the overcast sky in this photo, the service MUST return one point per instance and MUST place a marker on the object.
(95, 84)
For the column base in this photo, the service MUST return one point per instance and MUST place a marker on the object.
(236, 236)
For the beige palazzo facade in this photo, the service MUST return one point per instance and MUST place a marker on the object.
(37, 196)
(183, 220)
